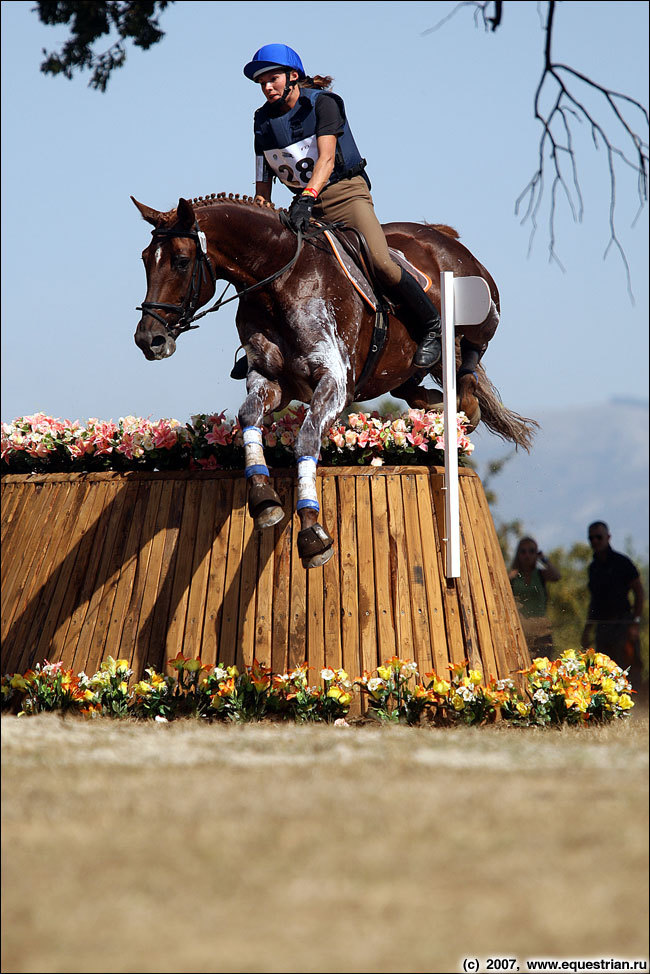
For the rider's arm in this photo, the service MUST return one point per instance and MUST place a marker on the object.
(263, 190)
(263, 177)
(325, 162)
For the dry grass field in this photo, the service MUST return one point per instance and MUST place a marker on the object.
(190, 847)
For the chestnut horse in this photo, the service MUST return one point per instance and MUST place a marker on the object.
(307, 332)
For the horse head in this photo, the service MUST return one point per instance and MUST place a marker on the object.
(179, 278)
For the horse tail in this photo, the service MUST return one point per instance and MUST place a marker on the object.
(502, 421)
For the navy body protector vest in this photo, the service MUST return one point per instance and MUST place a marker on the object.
(288, 143)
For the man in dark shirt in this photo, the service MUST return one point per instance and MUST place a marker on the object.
(611, 577)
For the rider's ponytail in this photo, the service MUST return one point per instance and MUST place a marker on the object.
(318, 81)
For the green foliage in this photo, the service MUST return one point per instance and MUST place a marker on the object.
(135, 21)
(568, 599)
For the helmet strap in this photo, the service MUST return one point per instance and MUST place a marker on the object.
(288, 86)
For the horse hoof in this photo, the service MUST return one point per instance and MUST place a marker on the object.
(473, 413)
(268, 517)
(264, 506)
(314, 546)
(317, 560)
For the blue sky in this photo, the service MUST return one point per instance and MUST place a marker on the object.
(445, 121)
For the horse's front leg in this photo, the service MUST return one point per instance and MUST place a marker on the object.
(467, 381)
(263, 397)
(314, 543)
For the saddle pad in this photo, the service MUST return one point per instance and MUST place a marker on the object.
(360, 282)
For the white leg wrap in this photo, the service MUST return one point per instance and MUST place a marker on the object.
(307, 484)
(253, 451)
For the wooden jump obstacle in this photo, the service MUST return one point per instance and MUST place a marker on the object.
(141, 566)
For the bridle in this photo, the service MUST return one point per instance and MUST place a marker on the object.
(201, 268)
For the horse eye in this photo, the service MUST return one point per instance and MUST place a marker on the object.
(181, 263)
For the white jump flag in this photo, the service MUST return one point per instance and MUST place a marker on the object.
(464, 301)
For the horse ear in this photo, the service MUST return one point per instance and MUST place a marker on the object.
(185, 214)
(151, 216)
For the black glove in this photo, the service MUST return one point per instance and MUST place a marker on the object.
(300, 212)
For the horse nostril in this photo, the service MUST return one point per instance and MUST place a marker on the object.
(157, 340)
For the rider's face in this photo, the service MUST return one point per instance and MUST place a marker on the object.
(273, 84)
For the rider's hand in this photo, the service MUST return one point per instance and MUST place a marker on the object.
(300, 212)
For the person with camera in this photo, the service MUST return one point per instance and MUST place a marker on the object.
(529, 574)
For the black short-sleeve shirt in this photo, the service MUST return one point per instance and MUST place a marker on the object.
(609, 584)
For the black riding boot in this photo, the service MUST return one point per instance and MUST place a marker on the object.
(240, 368)
(424, 315)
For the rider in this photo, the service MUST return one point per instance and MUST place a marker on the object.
(302, 138)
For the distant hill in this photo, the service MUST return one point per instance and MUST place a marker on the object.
(588, 463)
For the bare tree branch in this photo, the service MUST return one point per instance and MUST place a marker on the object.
(609, 124)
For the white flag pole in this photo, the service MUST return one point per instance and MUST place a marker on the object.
(452, 497)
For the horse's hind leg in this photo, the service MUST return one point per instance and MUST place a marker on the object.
(417, 396)
(314, 543)
(264, 505)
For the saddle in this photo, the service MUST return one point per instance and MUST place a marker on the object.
(350, 250)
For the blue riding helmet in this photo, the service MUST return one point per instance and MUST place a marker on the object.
(273, 56)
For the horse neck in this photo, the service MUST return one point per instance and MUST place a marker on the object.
(246, 242)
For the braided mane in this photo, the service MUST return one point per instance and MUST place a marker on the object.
(214, 198)
(202, 201)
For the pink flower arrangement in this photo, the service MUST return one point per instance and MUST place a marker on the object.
(211, 442)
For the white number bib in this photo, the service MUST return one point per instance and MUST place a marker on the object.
(294, 164)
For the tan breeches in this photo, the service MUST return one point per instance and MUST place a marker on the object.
(349, 201)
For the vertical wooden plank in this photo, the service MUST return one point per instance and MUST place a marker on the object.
(400, 579)
(367, 606)
(11, 510)
(50, 536)
(349, 575)
(411, 486)
(108, 497)
(466, 608)
(331, 576)
(475, 561)
(387, 645)
(432, 562)
(223, 491)
(124, 587)
(76, 594)
(282, 578)
(511, 650)
(265, 595)
(247, 593)
(59, 584)
(163, 561)
(315, 649)
(118, 534)
(20, 559)
(150, 581)
(130, 647)
(230, 620)
(196, 605)
(175, 642)
(298, 598)
(455, 641)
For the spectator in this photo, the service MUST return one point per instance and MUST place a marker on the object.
(612, 576)
(529, 574)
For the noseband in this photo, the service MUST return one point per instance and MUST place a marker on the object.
(200, 271)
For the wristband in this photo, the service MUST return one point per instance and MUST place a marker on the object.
(310, 192)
